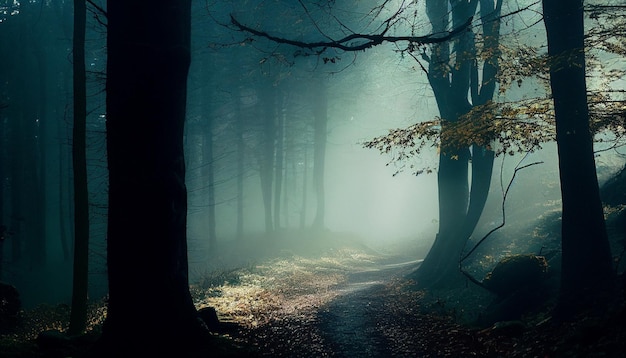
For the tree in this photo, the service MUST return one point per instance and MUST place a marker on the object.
(320, 124)
(586, 267)
(452, 78)
(78, 319)
(147, 67)
(587, 273)
(267, 151)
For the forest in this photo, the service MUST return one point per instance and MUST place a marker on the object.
(306, 178)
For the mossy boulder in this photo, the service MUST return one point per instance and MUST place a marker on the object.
(517, 273)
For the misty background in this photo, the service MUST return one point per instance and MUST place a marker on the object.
(367, 93)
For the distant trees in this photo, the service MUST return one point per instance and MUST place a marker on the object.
(459, 84)
(35, 66)
(148, 62)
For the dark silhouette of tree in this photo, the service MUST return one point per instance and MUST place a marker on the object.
(148, 60)
(78, 318)
(453, 74)
(586, 267)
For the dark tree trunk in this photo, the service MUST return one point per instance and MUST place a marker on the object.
(65, 179)
(17, 153)
(38, 243)
(150, 310)
(78, 318)
(460, 206)
(586, 273)
(440, 267)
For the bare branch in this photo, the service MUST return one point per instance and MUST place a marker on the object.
(345, 43)
(517, 169)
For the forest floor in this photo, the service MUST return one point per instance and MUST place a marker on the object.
(343, 299)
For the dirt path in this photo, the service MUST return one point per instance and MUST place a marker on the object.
(352, 325)
(356, 323)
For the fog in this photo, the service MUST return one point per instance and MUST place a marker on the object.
(236, 82)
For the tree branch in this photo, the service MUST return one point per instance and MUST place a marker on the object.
(345, 42)
(505, 194)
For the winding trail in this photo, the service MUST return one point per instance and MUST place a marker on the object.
(370, 315)
(351, 324)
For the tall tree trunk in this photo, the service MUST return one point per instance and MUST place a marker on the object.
(209, 176)
(460, 206)
(38, 239)
(148, 62)
(450, 85)
(267, 155)
(64, 181)
(290, 165)
(208, 167)
(320, 115)
(78, 318)
(241, 146)
(278, 168)
(481, 92)
(305, 187)
(18, 166)
(586, 272)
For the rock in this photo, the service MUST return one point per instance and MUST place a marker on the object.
(515, 273)
(10, 308)
(520, 283)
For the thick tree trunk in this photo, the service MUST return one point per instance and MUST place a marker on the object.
(150, 310)
(450, 86)
(586, 272)
(440, 267)
(460, 206)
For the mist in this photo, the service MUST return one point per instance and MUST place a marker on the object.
(335, 154)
